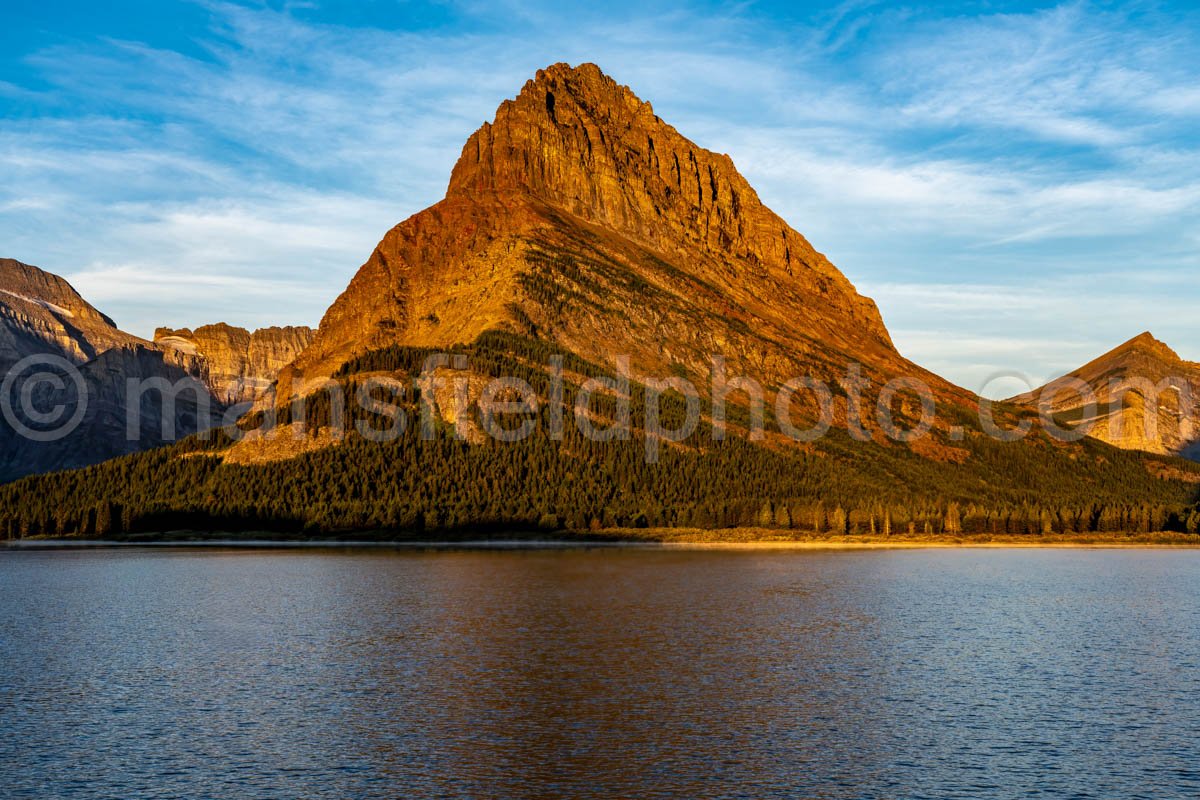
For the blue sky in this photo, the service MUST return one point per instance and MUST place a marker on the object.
(1016, 184)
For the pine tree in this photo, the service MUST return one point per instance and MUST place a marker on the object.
(766, 515)
(104, 518)
(783, 517)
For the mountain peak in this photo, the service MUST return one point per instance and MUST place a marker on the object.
(1146, 343)
(578, 214)
(41, 312)
(587, 83)
(35, 285)
(581, 142)
(575, 137)
(1139, 380)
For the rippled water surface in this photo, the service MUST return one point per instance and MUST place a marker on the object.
(599, 674)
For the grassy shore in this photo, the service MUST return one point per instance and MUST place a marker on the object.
(767, 538)
(747, 538)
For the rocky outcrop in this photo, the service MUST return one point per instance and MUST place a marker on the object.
(1145, 397)
(237, 365)
(579, 216)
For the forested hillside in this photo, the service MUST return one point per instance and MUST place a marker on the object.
(413, 487)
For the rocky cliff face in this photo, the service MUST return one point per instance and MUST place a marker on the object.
(42, 313)
(1146, 398)
(579, 141)
(579, 216)
(237, 365)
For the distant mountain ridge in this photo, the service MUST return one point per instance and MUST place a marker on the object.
(42, 316)
(239, 365)
(1148, 398)
(42, 313)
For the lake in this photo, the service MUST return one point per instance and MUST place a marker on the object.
(599, 673)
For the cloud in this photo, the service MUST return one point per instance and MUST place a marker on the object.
(1069, 74)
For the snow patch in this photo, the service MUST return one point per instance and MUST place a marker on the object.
(178, 343)
(62, 312)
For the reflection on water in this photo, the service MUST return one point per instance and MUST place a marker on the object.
(599, 673)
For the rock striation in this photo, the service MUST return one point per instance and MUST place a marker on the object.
(581, 142)
(237, 365)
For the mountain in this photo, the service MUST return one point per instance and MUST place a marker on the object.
(578, 227)
(1146, 398)
(214, 367)
(581, 218)
(41, 315)
(239, 366)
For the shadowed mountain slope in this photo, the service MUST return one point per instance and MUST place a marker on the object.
(43, 317)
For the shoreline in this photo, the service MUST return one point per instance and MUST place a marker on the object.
(649, 539)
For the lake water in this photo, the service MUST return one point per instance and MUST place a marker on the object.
(604, 673)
